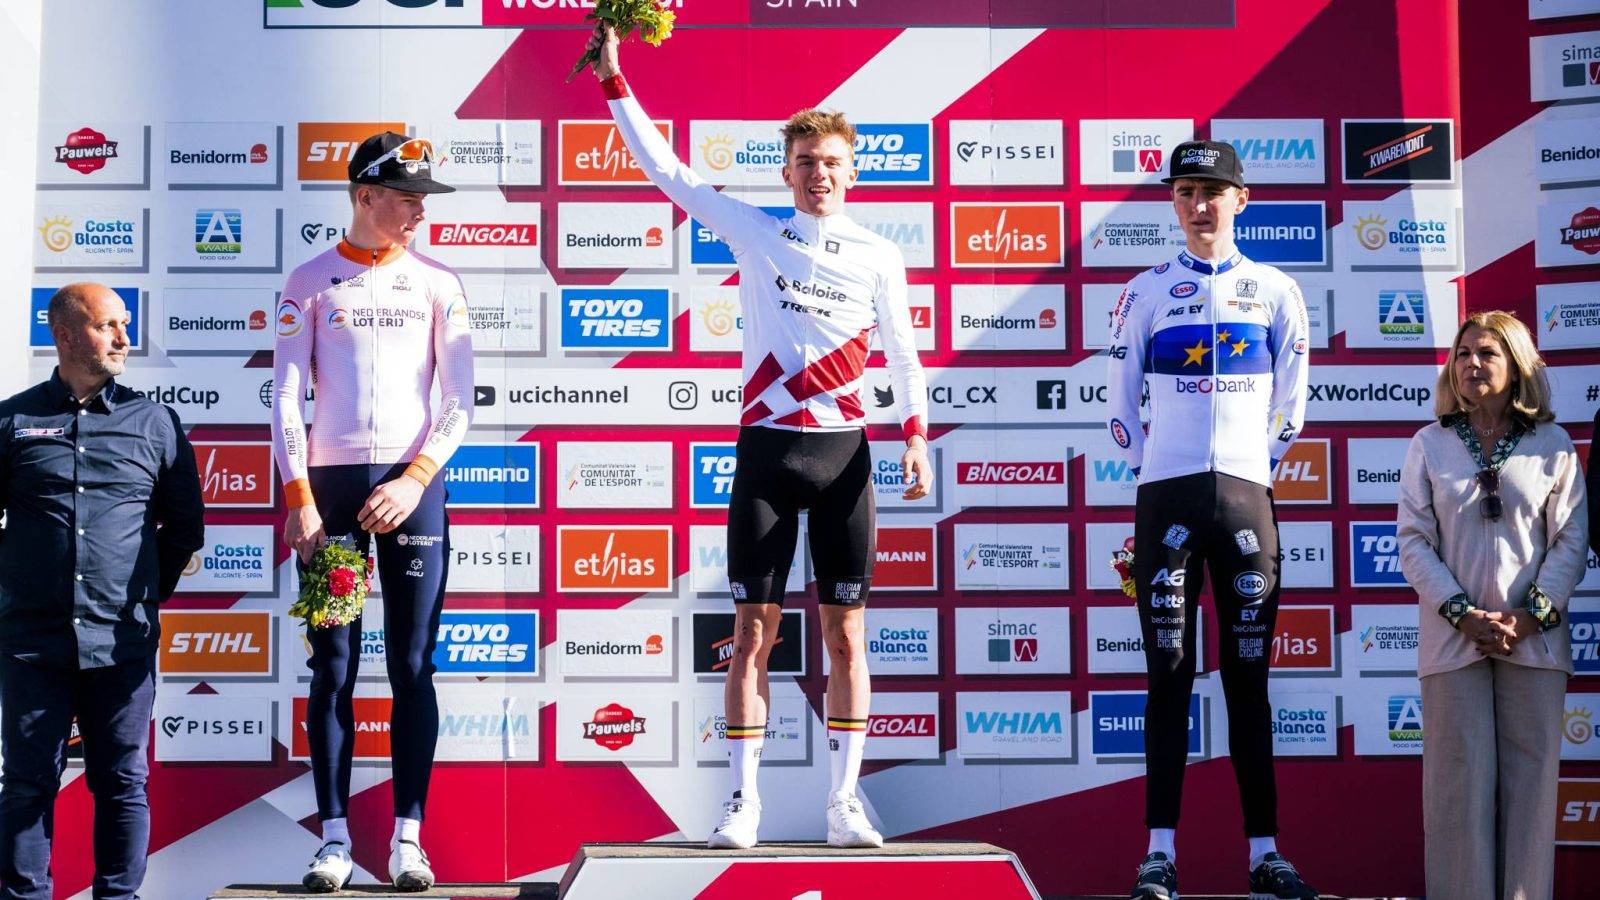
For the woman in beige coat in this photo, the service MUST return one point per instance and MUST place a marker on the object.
(1493, 536)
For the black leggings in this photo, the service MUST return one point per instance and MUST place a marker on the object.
(1227, 524)
(413, 561)
(782, 472)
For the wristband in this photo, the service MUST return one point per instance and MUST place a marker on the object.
(422, 469)
(614, 87)
(1455, 609)
(1542, 608)
(297, 493)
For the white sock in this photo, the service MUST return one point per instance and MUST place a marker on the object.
(744, 758)
(1164, 840)
(336, 830)
(407, 830)
(1260, 847)
(847, 740)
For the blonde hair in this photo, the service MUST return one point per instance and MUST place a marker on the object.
(817, 123)
(1530, 388)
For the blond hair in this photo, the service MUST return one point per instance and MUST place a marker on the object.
(817, 123)
(1530, 388)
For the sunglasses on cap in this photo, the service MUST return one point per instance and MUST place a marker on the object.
(411, 155)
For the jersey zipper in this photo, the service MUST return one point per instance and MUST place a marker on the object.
(1216, 370)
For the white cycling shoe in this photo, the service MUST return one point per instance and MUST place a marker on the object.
(330, 869)
(848, 825)
(737, 831)
(408, 867)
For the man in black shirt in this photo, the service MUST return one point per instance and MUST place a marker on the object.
(103, 510)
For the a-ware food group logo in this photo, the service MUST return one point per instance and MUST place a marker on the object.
(86, 151)
(1583, 234)
(613, 727)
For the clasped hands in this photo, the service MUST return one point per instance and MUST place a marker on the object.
(1494, 633)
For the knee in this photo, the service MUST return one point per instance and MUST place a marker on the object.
(1168, 667)
(410, 674)
(28, 789)
(846, 648)
(750, 644)
(125, 782)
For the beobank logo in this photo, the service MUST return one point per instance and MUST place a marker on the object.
(1303, 639)
(592, 152)
(371, 728)
(499, 234)
(326, 147)
(1007, 235)
(624, 558)
(1302, 475)
(234, 474)
(905, 559)
(216, 643)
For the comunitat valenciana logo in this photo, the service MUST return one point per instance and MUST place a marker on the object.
(86, 151)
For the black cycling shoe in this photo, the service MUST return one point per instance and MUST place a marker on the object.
(1275, 879)
(1158, 879)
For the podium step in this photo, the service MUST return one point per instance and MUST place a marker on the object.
(804, 871)
(536, 890)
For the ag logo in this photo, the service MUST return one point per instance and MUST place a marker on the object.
(1250, 584)
(1172, 579)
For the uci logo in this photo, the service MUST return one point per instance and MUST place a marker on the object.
(1250, 584)
(1175, 578)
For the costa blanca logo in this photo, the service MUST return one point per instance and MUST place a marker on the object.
(721, 318)
(717, 151)
(86, 151)
(1371, 231)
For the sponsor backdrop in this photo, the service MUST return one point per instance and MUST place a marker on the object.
(1014, 158)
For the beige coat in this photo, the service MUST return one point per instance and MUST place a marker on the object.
(1447, 547)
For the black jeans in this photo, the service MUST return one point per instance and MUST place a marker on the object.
(37, 704)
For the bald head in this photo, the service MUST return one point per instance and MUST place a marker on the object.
(89, 323)
(70, 305)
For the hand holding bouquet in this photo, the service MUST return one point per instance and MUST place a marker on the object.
(653, 23)
(333, 588)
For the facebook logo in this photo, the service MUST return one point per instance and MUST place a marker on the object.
(1375, 555)
(1052, 394)
(711, 468)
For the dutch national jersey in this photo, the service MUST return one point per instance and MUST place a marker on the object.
(373, 329)
(1223, 351)
(813, 289)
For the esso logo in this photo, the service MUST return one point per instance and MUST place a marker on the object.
(1299, 345)
(1184, 289)
(1250, 584)
(1119, 433)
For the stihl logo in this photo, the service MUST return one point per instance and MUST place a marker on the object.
(234, 474)
(594, 153)
(460, 235)
(326, 148)
(1578, 811)
(216, 643)
(1013, 234)
(614, 559)
(902, 725)
(1011, 473)
(1302, 474)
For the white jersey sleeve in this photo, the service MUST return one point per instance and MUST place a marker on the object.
(293, 349)
(899, 341)
(1291, 336)
(1130, 324)
(733, 220)
(452, 354)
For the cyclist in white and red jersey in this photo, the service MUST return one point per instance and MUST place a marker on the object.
(813, 286)
(374, 325)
